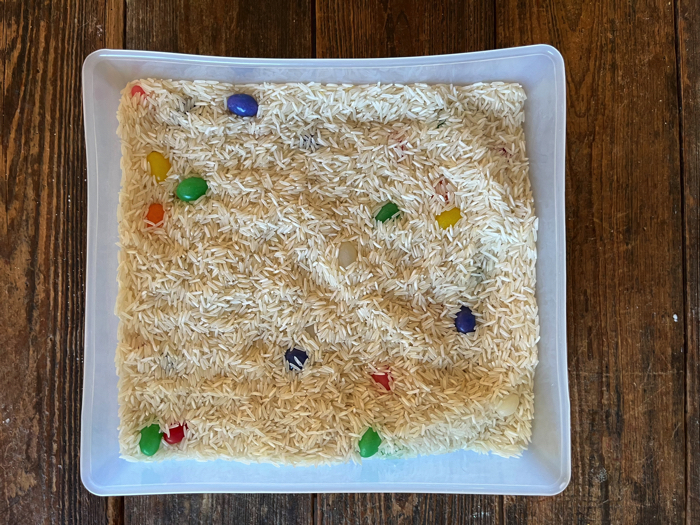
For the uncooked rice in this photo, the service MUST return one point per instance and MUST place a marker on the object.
(210, 301)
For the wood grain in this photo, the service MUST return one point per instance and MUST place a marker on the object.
(42, 260)
(387, 28)
(242, 28)
(404, 509)
(624, 259)
(374, 28)
(264, 28)
(114, 24)
(263, 509)
(688, 16)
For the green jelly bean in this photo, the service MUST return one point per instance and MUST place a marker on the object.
(387, 212)
(191, 189)
(150, 439)
(369, 444)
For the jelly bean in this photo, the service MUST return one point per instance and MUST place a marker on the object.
(242, 105)
(150, 439)
(155, 214)
(137, 90)
(388, 211)
(295, 358)
(311, 330)
(508, 405)
(347, 254)
(448, 218)
(465, 322)
(191, 189)
(369, 444)
(177, 434)
(382, 379)
(160, 166)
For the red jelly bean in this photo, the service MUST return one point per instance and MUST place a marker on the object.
(137, 90)
(155, 214)
(382, 379)
(177, 434)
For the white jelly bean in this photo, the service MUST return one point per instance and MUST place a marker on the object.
(347, 254)
(508, 405)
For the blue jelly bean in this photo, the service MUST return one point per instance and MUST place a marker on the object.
(242, 105)
(465, 322)
(295, 358)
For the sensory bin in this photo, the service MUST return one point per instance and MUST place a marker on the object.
(315, 274)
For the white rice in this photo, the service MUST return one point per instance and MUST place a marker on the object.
(210, 302)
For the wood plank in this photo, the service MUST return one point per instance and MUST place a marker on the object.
(399, 509)
(624, 260)
(264, 28)
(689, 75)
(42, 260)
(372, 28)
(114, 24)
(263, 509)
(244, 28)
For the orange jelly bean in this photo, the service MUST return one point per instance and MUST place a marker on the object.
(155, 214)
(160, 166)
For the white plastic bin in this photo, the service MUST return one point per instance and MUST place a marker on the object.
(543, 469)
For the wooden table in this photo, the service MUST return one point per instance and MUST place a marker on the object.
(633, 227)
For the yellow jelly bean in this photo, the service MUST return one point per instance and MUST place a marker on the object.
(160, 166)
(448, 218)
